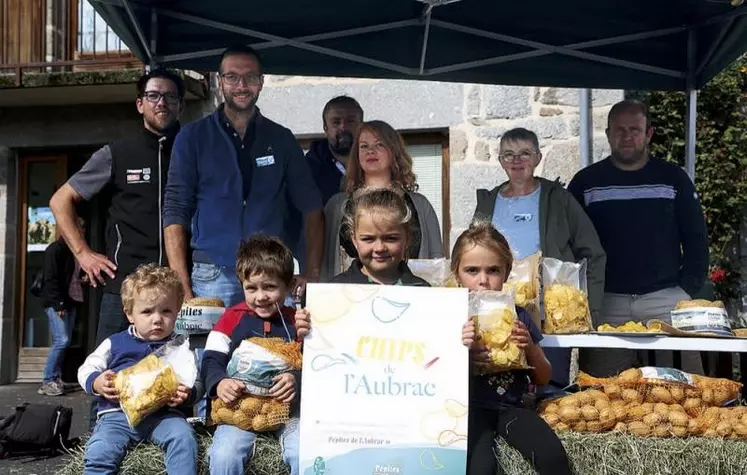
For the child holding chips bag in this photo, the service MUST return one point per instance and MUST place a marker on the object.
(481, 261)
(260, 386)
(136, 384)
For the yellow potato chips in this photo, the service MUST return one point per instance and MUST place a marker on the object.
(566, 310)
(495, 315)
(145, 387)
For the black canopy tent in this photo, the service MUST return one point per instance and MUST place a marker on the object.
(633, 44)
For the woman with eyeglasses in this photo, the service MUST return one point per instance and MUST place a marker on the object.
(378, 159)
(536, 214)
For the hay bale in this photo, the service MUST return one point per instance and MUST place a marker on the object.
(617, 454)
(147, 459)
(590, 454)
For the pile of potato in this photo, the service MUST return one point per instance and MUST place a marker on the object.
(657, 419)
(626, 404)
(585, 411)
(728, 422)
(255, 413)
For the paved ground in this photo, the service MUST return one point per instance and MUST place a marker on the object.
(13, 395)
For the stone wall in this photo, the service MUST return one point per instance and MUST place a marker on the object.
(475, 117)
(490, 111)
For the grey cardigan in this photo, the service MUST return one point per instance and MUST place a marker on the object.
(431, 245)
(566, 233)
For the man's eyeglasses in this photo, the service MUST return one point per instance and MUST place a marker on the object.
(233, 79)
(154, 97)
(523, 155)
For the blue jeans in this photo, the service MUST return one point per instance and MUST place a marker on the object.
(232, 447)
(62, 332)
(209, 280)
(108, 445)
(112, 318)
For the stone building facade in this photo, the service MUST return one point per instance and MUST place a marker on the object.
(473, 116)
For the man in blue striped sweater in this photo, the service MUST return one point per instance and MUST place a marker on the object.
(651, 225)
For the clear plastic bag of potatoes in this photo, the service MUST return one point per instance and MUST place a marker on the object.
(524, 283)
(148, 385)
(565, 297)
(495, 317)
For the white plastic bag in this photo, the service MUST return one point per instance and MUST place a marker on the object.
(150, 383)
(565, 297)
(434, 271)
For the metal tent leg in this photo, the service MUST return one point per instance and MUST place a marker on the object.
(692, 114)
(585, 127)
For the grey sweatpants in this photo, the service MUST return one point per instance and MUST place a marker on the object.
(620, 308)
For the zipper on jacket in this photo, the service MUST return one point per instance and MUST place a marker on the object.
(119, 244)
(160, 203)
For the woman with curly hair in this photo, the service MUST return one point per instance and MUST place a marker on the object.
(378, 159)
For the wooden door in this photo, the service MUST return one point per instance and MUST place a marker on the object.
(40, 177)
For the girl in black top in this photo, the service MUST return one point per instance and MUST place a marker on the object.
(482, 260)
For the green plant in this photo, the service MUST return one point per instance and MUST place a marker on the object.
(721, 162)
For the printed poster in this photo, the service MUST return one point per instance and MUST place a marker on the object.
(41, 229)
(384, 381)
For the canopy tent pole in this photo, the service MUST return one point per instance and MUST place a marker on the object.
(692, 114)
(153, 37)
(585, 126)
(692, 106)
(138, 31)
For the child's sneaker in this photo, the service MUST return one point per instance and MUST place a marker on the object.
(50, 389)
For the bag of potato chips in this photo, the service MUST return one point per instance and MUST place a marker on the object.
(565, 297)
(148, 385)
(524, 283)
(495, 315)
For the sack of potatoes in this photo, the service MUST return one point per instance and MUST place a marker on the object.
(657, 420)
(585, 411)
(254, 413)
(723, 422)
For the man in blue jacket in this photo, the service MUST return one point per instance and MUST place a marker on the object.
(235, 173)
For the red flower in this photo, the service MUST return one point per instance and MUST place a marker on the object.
(718, 276)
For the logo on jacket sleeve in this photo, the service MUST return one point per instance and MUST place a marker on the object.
(138, 175)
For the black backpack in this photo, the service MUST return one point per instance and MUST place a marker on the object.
(35, 430)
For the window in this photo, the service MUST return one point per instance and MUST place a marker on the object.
(94, 35)
(427, 160)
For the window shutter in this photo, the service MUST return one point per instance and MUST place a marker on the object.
(427, 164)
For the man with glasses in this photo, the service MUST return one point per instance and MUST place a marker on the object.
(235, 173)
(134, 171)
(536, 214)
(650, 222)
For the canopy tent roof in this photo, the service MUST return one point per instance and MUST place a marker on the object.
(631, 44)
